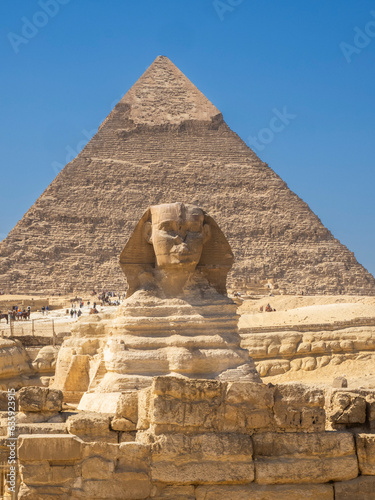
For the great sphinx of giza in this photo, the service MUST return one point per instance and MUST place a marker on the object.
(177, 318)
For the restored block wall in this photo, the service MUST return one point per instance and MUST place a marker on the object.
(207, 440)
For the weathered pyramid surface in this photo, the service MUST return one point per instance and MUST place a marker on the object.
(165, 142)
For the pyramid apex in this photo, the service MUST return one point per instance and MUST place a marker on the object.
(164, 95)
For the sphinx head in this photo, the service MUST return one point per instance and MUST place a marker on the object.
(176, 238)
(177, 233)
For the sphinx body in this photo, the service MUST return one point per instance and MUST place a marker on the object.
(176, 320)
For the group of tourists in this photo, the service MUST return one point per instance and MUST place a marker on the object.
(15, 314)
(45, 310)
(74, 314)
(105, 298)
(109, 298)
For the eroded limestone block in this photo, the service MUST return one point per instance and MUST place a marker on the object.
(366, 453)
(35, 473)
(133, 457)
(263, 492)
(41, 473)
(203, 458)
(161, 492)
(91, 427)
(298, 408)
(97, 468)
(129, 479)
(36, 399)
(72, 374)
(180, 405)
(122, 425)
(44, 492)
(126, 417)
(304, 457)
(37, 417)
(347, 408)
(104, 450)
(360, 488)
(145, 406)
(57, 447)
(340, 382)
(40, 428)
(45, 362)
(127, 437)
(248, 407)
(14, 361)
(127, 485)
(100, 402)
(370, 400)
(270, 367)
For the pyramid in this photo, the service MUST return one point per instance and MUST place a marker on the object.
(165, 142)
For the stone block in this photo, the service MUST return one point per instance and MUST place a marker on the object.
(160, 492)
(40, 428)
(304, 457)
(339, 382)
(99, 402)
(111, 470)
(248, 407)
(366, 453)
(370, 400)
(129, 486)
(263, 492)
(34, 417)
(360, 488)
(61, 474)
(45, 360)
(43, 492)
(299, 408)
(34, 474)
(188, 406)
(123, 425)
(127, 437)
(76, 378)
(203, 458)
(104, 450)
(133, 457)
(91, 427)
(145, 406)
(55, 447)
(127, 406)
(347, 408)
(97, 468)
(38, 399)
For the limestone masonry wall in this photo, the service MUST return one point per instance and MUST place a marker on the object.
(199, 440)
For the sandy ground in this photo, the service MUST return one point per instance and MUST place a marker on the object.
(359, 373)
(60, 316)
(299, 310)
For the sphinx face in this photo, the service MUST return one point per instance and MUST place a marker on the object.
(177, 233)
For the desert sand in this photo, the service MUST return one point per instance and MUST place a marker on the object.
(304, 310)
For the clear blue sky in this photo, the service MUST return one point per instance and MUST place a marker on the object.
(248, 57)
